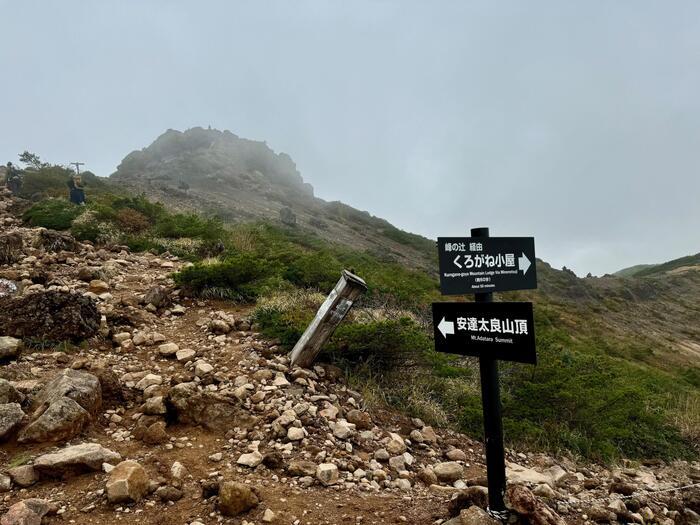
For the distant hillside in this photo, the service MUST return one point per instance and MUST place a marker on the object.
(633, 270)
(631, 343)
(237, 179)
(683, 264)
(649, 314)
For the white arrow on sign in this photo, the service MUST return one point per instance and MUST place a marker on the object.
(446, 327)
(456, 263)
(523, 263)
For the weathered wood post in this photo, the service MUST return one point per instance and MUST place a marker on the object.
(327, 319)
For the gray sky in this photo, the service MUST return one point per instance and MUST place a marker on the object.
(575, 122)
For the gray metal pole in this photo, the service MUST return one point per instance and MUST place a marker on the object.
(493, 426)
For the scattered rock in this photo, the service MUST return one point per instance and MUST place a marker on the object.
(252, 459)
(5, 483)
(236, 498)
(169, 493)
(360, 419)
(300, 467)
(213, 411)
(50, 315)
(395, 444)
(327, 473)
(23, 476)
(75, 459)
(82, 387)
(621, 487)
(98, 287)
(27, 512)
(11, 416)
(9, 394)
(476, 516)
(185, 354)
(62, 420)
(521, 500)
(449, 471)
(158, 296)
(128, 482)
(10, 348)
(219, 327)
(168, 349)
(63, 407)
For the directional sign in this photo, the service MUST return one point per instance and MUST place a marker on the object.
(492, 330)
(486, 264)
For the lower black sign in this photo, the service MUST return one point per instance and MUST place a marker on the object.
(503, 331)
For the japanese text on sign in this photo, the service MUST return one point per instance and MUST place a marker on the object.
(492, 325)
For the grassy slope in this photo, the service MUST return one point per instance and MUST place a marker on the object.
(690, 260)
(633, 270)
(593, 391)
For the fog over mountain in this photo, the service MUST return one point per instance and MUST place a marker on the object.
(576, 123)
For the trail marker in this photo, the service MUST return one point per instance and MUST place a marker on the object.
(503, 331)
(336, 306)
(490, 331)
(486, 264)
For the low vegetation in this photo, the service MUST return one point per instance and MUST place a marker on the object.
(581, 396)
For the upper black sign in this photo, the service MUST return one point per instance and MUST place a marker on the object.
(503, 331)
(486, 264)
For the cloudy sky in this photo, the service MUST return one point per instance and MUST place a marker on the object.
(575, 122)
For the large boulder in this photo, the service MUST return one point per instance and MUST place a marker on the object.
(11, 416)
(27, 512)
(209, 409)
(75, 459)
(236, 498)
(10, 348)
(63, 407)
(50, 315)
(62, 420)
(82, 387)
(128, 482)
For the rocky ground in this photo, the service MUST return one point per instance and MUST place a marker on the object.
(120, 400)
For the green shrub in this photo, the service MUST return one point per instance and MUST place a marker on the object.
(387, 343)
(87, 227)
(140, 203)
(178, 225)
(55, 214)
(131, 220)
(237, 274)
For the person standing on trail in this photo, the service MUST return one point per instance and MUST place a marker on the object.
(13, 179)
(77, 192)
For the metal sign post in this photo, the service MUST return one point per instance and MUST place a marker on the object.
(490, 331)
(493, 425)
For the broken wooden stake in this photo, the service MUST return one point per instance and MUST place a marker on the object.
(327, 319)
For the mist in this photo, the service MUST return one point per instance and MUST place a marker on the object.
(578, 124)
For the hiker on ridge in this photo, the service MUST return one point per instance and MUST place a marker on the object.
(76, 190)
(13, 179)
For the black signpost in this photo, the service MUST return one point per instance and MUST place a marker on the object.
(491, 331)
(486, 264)
(496, 330)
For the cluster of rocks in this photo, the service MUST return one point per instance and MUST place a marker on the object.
(155, 364)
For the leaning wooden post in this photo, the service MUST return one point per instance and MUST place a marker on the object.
(327, 319)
